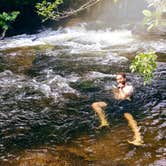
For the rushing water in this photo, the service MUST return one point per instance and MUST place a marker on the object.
(48, 82)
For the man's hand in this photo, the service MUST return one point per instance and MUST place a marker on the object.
(120, 85)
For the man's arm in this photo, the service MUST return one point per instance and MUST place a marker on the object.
(126, 92)
(123, 93)
(118, 94)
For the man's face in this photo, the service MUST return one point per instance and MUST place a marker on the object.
(120, 79)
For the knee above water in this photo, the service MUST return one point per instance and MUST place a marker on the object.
(94, 105)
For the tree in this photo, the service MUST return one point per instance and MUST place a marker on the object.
(49, 10)
(5, 21)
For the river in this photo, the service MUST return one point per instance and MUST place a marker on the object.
(48, 82)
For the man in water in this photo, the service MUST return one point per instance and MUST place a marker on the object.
(122, 92)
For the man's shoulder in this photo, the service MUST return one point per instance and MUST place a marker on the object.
(129, 85)
(129, 88)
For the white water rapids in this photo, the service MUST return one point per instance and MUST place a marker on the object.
(79, 39)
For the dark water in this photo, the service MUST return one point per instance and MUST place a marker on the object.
(48, 82)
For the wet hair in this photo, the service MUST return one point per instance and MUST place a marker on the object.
(122, 74)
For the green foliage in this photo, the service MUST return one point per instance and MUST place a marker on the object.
(147, 13)
(154, 18)
(46, 8)
(145, 64)
(7, 18)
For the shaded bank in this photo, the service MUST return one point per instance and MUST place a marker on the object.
(29, 21)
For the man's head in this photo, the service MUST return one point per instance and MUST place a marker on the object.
(121, 78)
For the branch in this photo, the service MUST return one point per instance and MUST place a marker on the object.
(61, 15)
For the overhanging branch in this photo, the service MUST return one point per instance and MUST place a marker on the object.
(61, 15)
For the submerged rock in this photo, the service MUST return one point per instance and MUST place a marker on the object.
(48, 157)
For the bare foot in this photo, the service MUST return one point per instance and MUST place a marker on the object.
(103, 125)
(136, 142)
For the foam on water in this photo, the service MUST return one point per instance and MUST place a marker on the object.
(19, 41)
(77, 37)
(54, 87)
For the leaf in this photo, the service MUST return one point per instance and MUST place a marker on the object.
(145, 64)
(147, 13)
(5, 27)
(150, 27)
(7, 18)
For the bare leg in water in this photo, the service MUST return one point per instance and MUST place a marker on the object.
(122, 92)
(98, 108)
(137, 139)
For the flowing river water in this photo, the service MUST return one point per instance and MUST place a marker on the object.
(48, 82)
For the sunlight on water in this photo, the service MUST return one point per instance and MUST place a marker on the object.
(75, 38)
(79, 39)
(89, 37)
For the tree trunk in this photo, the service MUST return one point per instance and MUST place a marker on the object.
(3, 34)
